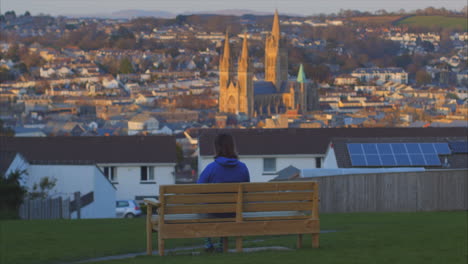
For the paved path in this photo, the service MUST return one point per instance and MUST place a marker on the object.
(181, 250)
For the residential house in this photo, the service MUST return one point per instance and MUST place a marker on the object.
(114, 167)
(142, 123)
(381, 75)
(268, 151)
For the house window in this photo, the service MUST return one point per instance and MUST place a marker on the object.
(269, 165)
(318, 163)
(111, 173)
(146, 174)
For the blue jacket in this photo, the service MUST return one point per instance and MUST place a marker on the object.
(225, 170)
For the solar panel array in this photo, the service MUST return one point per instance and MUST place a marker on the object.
(459, 146)
(396, 154)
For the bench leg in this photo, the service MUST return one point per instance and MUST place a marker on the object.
(161, 246)
(299, 241)
(225, 244)
(315, 240)
(239, 244)
(149, 237)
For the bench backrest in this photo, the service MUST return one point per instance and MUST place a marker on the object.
(249, 201)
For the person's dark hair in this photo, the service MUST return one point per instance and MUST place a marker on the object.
(225, 146)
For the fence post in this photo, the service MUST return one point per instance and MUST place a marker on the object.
(78, 204)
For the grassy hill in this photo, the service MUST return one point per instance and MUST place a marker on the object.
(440, 21)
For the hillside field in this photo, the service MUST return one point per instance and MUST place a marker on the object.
(444, 22)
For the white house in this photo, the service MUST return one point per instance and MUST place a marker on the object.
(268, 151)
(117, 167)
(86, 179)
(381, 75)
(142, 123)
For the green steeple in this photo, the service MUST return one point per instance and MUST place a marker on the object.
(301, 78)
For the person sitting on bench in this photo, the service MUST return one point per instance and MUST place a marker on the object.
(225, 168)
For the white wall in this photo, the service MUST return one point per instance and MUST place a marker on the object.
(70, 178)
(255, 164)
(128, 182)
(78, 178)
(330, 159)
(104, 197)
(18, 164)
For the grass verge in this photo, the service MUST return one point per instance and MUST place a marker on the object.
(429, 237)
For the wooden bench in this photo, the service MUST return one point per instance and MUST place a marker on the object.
(260, 209)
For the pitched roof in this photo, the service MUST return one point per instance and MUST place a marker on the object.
(343, 160)
(92, 150)
(310, 140)
(6, 158)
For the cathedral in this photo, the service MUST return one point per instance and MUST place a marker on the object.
(274, 95)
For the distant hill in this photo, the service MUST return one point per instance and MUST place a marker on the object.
(132, 13)
(128, 14)
(239, 12)
(229, 12)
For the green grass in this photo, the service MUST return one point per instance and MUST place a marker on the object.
(439, 21)
(361, 238)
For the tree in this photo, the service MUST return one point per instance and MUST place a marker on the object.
(422, 77)
(11, 194)
(42, 190)
(125, 66)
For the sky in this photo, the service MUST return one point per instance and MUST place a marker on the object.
(302, 7)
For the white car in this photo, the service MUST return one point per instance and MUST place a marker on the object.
(127, 208)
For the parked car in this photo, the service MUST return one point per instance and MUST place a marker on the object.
(127, 208)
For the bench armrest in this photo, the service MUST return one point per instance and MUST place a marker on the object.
(152, 201)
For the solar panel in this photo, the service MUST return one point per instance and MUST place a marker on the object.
(373, 160)
(355, 149)
(417, 160)
(400, 154)
(432, 160)
(388, 160)
(442, 148)
(358, 160)
(398, 148)
(459, 146)
(369, 148)
(413, 148)
(428, 148)
(402, 160)
(384, 149)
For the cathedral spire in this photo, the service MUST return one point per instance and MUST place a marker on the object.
(275, 31)
(245, 49)
(227, 49)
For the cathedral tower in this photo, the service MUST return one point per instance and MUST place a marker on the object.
(225, 65)
(245, 81)
(276, 57)
(225, 76)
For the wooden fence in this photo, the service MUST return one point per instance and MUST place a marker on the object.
(56, 208)
(445, 190)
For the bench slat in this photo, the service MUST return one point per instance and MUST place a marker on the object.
(200, 209)
(200, 188)
(254, 228)
(201, 198)
(232, 197)
(286, 206)
(275, 187)
(278, 196)
(231, 208)
(232, 187)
